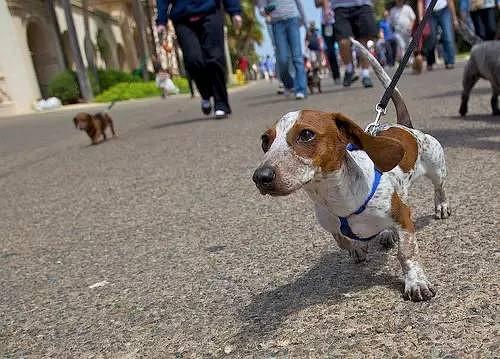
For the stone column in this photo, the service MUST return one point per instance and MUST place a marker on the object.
(20, 83)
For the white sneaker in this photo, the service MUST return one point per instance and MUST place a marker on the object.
(219, 114)
(300, 96)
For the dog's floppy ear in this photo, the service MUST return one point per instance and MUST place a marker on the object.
(385, 152)
(75, 121)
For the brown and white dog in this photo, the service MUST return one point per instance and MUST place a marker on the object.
(94, 125)
(308, 150)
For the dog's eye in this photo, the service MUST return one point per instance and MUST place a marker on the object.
(265, 143)
(306, 136)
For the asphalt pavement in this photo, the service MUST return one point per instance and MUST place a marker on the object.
(157, 243)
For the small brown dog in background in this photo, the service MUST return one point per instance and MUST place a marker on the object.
(94, 125)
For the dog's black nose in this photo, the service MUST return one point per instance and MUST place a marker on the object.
(264, 176)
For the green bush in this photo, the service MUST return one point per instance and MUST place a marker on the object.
(109, 78)
(181, 83)
(65, 84)
(127, 91)
(114, 86)
(65, 87)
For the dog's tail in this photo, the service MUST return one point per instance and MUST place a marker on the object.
(467, 34)
(403, 117)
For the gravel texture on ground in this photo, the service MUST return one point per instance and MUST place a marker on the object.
(157, 244)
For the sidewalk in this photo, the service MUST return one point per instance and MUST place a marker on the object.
(95, 106)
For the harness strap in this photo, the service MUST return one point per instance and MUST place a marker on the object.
(345, 229)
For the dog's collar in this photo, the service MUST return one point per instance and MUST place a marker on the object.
(345, 229)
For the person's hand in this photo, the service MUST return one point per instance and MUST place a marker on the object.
(456, 25)
(237, 22)
(161, 29)
(328, 17)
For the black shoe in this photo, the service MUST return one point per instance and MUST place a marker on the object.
(349, 78)
(367, 82)
(206, 107)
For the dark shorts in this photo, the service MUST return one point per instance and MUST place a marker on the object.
(357, 21)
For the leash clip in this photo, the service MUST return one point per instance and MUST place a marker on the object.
(372, 127)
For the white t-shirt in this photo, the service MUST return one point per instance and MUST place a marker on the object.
(440, 4)
(481, 4)
(402, 18)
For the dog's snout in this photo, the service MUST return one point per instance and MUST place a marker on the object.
(264, 176)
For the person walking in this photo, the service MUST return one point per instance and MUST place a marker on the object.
(483, 15)
(444, 16)
(402, 17)
(314, 43)
(390, 42)
(354, 18)
(286, 18)
(328, 33)
(199, 28)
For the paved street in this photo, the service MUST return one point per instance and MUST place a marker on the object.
(196, 263)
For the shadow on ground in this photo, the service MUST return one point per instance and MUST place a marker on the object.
(423, 221)
(333, 279)
(483, 117)
(182, 122)
(273, 99)
(478, 138)
(458, 93)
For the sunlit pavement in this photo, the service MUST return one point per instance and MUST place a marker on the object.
(157, 244)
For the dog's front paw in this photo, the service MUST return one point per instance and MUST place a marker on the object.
(358, 253)
(442, 211)
(388, 238)
(417, 287)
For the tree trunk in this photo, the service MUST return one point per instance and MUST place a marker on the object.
(89, 47)
(141, 27)
(154, 48)
(53, 18)
(81, 72)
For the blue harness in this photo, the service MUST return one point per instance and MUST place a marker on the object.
(345, 229)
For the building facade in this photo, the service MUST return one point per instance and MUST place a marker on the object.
(36, 45)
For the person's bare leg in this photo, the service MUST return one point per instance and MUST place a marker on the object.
(345, 51)
(365, 72)
(363, 60)
(346, 55)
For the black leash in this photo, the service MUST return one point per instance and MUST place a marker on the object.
(381, 107)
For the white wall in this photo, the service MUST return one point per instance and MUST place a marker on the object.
(16, 66)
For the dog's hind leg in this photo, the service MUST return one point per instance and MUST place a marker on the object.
(470, 78)
(494, 104)
(417, 286)
(111, 126)
(435, 169)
